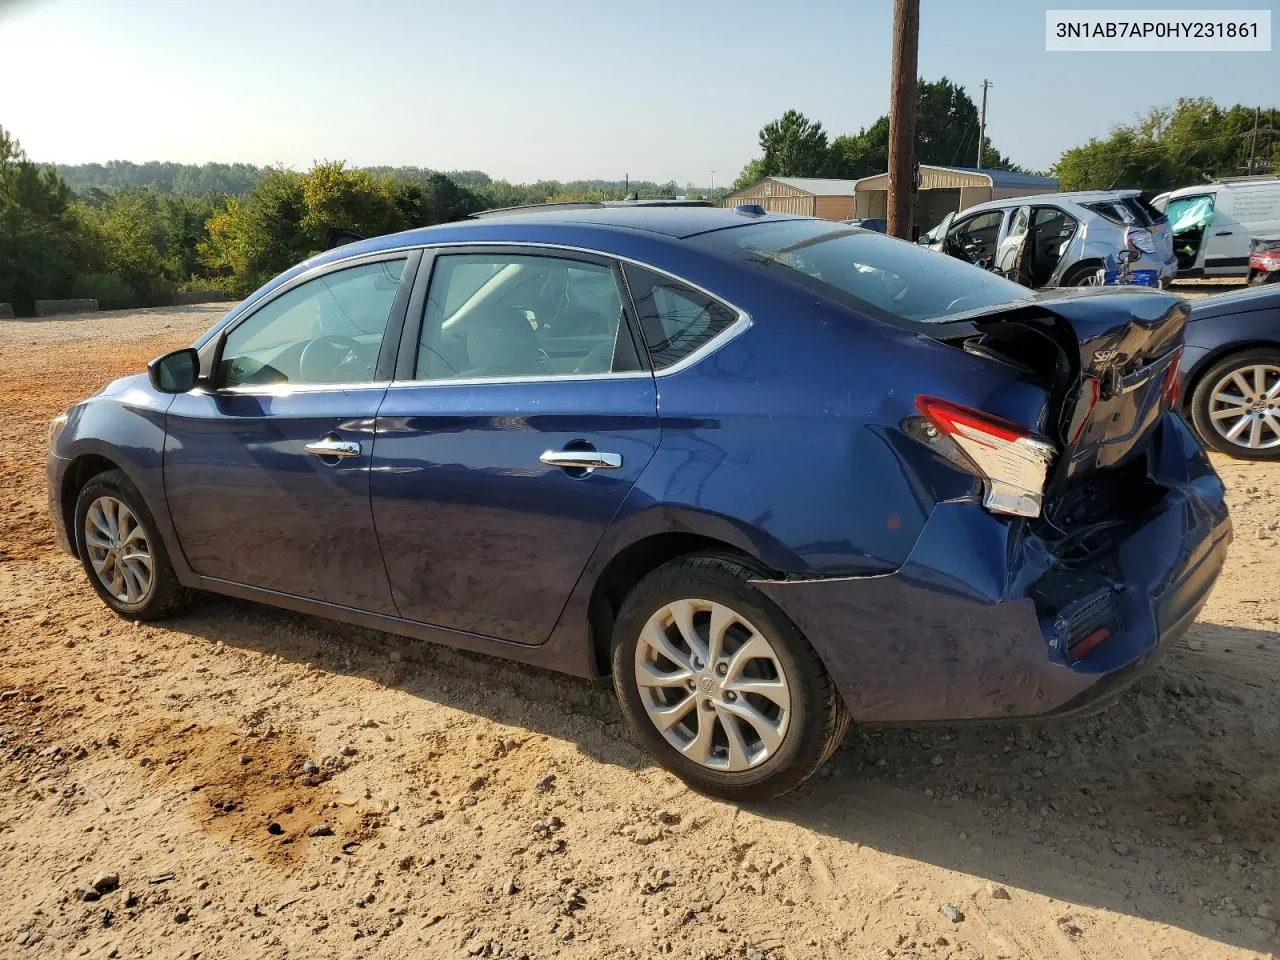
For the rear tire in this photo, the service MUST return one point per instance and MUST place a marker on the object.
(1082, 275)
(749, 724)
(122, 552)
(1214, 419)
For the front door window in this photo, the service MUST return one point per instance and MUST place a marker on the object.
(325, 331)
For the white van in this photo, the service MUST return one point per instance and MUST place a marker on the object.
(1212, 224)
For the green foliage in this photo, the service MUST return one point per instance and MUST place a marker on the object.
(794, 146)
(287, 216)
(946, 135)
(129, 239)
(110, 291)
(1172, 146)
(179, 178)
(40, 236)
(753, 172)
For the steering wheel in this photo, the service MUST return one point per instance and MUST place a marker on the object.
(324, 357)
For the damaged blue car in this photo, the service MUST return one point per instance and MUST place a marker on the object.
(769, 475)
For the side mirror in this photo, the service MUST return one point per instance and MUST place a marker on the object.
(175, 372)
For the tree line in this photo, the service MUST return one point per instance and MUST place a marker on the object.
(1190, 141)
(947, 130)
(129, 234)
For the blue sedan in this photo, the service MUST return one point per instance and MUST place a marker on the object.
(1231, 372)
(771, 475)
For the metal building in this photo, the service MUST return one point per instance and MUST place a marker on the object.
(943, 190)
(800, 196)
(946, 190)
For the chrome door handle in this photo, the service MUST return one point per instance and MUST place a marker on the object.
(582, 459)
(333, 447)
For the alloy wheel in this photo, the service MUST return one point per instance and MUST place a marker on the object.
(1244, 406)
(712, 685)
(118, 550)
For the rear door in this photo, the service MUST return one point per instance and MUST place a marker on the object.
(1011, 258)
(522, 413)
(1242, 212)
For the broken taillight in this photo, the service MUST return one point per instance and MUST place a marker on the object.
(1171, 389)
(1012, 462)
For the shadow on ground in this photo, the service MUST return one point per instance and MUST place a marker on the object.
(1166, 806)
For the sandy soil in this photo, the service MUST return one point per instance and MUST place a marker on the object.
(242, 782)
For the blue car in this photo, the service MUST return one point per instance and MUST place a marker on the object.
(1231, 372)
(771, 475)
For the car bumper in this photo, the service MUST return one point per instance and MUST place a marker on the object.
(55, 470)
(977, 623)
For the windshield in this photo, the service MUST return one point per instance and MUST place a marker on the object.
(899, 278)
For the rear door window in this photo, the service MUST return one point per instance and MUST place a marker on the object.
(676, 320)
(503, 316)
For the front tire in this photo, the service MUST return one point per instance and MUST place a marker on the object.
(121, 550)
(1235, 406)
(719, 685)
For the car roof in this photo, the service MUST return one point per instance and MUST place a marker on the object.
(648, 234)
(1241, 183)
(1074, 196)
(677, 222)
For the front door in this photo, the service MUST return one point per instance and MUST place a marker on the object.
(1241, 213)
(267, 470)
(975, 237)
(522, 420)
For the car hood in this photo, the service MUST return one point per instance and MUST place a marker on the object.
(1236, 301)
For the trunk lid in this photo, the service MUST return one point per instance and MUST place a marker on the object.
(1104, 358)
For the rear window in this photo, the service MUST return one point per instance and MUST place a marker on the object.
(900, 279)
(1127, 211)
(1153, 213)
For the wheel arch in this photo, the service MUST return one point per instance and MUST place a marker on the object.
(83, 468)
(1092, 263)
(1216, 356)
(633, 563)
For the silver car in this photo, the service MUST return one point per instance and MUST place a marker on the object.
(1062, 239)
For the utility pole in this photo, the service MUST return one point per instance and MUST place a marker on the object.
(982, 123)
(902, 116)
(1253, 150)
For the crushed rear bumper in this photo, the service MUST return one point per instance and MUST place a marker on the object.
(976, 624)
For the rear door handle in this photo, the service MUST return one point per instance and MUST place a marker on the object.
(582, 459)
(333, 447)
(1223, 233)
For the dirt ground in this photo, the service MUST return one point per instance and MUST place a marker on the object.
(242, 782)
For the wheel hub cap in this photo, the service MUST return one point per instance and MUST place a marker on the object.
(118, 550)
(1244, 406)
(712, 685)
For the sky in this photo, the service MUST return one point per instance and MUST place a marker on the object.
(550, 89)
